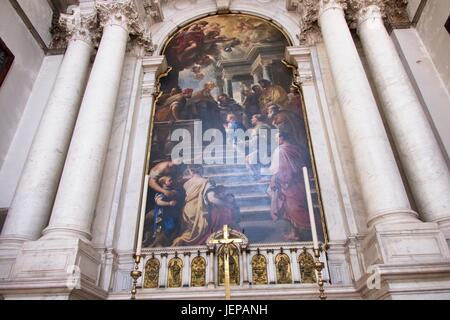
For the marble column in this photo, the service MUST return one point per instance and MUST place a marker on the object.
(266, 72)
(255, 78)
(186, 268)
(245, 267)
(419, 151)
(271, 267)
(211, 282)
(73, 211)
(163, 271)
(35, 193)
(229, 87)
(295, 266)
(379, 178)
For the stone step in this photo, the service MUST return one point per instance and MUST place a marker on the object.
(255, 214)
(225, 169)
(252, 200)
(261, 231)
(229, 161)
(233, 177)
(253, 188)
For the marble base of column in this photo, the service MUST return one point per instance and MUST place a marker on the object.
(409, 243)
(55, 268)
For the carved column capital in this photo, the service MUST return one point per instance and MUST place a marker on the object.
(325, 5)
(393, 11)
(359, 11)
(130, 15)
(124, 13)
(79, 25)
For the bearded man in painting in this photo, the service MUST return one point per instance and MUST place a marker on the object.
(287, 189)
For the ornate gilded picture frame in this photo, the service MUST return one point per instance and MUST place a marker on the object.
(227, 73)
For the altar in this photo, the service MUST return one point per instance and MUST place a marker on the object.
(199, 272)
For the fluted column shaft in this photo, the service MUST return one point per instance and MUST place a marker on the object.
(74, 207)
(380, 181)
(35, 193)
(420, 155)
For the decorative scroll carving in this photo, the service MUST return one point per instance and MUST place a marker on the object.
(175, 273)
(142, 44)
(259, 269)
(309, 14)
(154, 10)
(396, 14)
(307, 267)
(151, 276)
(198, 272)
(234, 266)
(283, 267)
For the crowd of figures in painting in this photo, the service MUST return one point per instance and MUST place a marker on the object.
(227, 75)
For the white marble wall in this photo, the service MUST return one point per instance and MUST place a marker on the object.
(12, 167)
(430, 88)
(16, 88)
(40, 14)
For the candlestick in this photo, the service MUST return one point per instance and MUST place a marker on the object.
(310, 209)
(142, 217)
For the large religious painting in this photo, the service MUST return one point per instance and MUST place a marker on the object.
(229, 139)
(6, 60)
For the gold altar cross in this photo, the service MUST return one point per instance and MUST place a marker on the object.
(226, 241)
